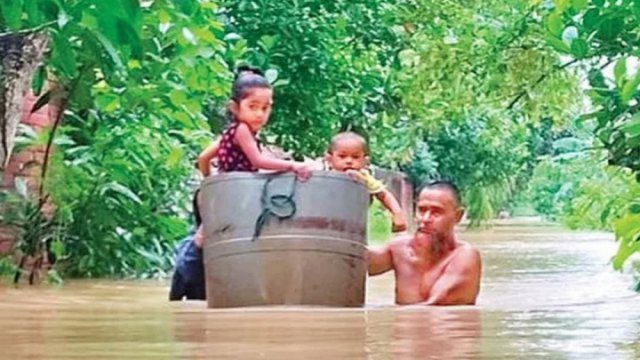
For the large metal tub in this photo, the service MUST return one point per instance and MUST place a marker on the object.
(316, 257)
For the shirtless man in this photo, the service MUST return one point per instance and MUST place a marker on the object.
(431, 267)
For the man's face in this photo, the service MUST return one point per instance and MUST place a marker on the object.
(437, 212)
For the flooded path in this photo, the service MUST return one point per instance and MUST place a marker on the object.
(546, 294)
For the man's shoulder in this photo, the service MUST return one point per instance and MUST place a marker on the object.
(466, 248)
(465, 255)
(400, 240)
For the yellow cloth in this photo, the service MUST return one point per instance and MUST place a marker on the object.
(374, 185)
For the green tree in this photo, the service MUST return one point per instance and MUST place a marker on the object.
(335, 62)
(134, 80)
(603, 36)
(481, 85)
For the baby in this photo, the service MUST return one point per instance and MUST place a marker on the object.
(348, 153)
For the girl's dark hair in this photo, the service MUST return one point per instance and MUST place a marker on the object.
(196, 208)
(247, 78)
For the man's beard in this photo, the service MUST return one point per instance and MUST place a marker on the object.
(436, 241)
(436, 244)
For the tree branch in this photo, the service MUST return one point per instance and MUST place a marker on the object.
(542, 77)
(56, 124)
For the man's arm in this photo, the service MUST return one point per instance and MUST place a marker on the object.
(460, 280)
(379, 259)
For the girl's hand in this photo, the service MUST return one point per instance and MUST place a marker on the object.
(302, 170)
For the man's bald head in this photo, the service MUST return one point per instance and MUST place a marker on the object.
(444, 185)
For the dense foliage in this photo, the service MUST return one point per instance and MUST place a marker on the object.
(484, 93)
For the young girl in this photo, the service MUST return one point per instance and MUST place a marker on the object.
(237, 149)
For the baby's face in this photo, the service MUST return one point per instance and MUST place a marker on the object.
(347, 154)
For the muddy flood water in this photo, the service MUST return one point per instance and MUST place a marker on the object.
(546, 294)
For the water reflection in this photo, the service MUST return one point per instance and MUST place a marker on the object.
(546, 294)
(426, 333)
(273, 333)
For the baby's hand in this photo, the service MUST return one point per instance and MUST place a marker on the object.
(373, 185)
(399, 223)
(355, 175)
(302, 170)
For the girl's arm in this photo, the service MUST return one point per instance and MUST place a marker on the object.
(249, 146)
(204, 160)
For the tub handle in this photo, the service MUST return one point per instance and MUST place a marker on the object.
(281, 206)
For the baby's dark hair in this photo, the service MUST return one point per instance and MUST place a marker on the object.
(247, 78)
(347, 135)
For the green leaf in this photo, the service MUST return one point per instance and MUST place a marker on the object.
(341, 24)
(627, 230)
(38, 80)
(605, 214)
(11, 12)
(628, 227)
(57, 247)
(109, 48)
(175, 157)
(133, 14)
(625, 250)
(598, 3)
(635, 208)
(591, 18)
(561, 5)
(239, 49)
(558, 44)
(63, 57)
(579, 4)
(108, 103)
(33, 11)
(629, 88)
(620, 71)
(267, 42)
(632, 128)
(178, 97)
(610, 28)
(636, 9)
(120, 189)
(129, 37)
(41, 102)
(281, 82)
(579, 48)
(555, 24)
(194, 106)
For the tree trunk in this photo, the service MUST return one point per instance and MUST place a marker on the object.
(20, 56)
